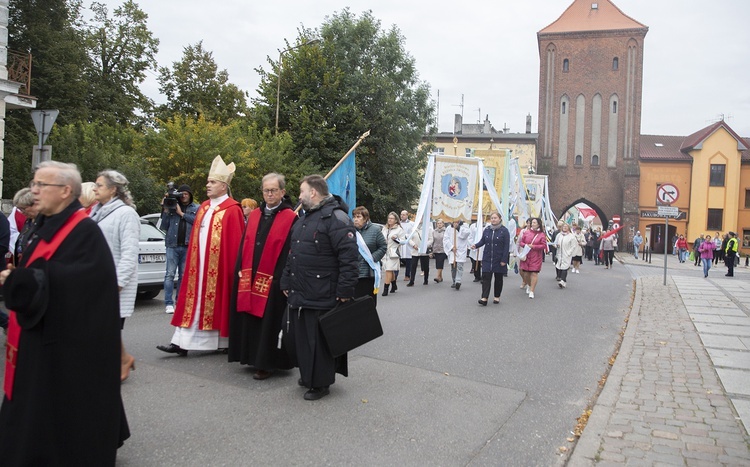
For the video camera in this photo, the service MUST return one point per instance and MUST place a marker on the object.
(172, 197)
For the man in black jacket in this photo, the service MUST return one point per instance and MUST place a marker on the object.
(321, 270)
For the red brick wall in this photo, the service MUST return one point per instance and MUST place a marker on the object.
(613, 189)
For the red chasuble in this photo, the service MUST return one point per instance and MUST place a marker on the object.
(220, 258)
(254, 286)
(43, 250)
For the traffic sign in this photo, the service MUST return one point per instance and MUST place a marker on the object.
(667, 193)
(43, 121)
(668, 211)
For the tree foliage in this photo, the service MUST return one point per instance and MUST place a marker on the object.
(94, 147)
(196, 87)
(51, 31)
(121, 49)
(356, 77)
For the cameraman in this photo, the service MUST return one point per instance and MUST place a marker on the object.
(178, 214)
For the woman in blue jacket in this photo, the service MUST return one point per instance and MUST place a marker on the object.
(496, 242)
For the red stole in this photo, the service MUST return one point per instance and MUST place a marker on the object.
(43, 250)
(252, 293)
(20, 219)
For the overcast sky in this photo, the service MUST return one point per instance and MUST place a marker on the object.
(696, 58)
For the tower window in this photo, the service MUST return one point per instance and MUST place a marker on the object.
(595, 160)
(563, 108)
(614, 107)
(579, 160)
(566, 65)
(615, 63)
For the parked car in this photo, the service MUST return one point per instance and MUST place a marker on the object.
(153, 219)
(152, 261)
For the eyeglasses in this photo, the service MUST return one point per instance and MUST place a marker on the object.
(40, 185)
(271, 191)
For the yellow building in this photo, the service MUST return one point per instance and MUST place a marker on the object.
(708, 173)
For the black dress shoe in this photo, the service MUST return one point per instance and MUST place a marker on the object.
(171, 348)
(262, 374)
(458, 285)
(483, 302)
(410, 284)
(300, 383)
(316, 393)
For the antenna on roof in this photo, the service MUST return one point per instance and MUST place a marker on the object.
(721, 118)
(462, 107)
(479, 115)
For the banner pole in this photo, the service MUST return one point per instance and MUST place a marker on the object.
(341, 161)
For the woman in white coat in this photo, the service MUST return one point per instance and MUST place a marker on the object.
(455, 243)
(567, 248)
(393, 234)
(121, 226)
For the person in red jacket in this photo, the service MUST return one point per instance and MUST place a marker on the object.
(682, 247)
(536, 239)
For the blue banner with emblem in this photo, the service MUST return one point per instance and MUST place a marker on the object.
(343, 182)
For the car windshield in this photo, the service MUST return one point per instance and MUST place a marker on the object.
(149, 233)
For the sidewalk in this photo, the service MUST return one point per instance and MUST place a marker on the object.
(679, 391)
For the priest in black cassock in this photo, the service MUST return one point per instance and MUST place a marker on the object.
(258, 304)
(62, 403)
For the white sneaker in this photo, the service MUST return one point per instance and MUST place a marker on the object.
(528, 290)
(531, 294)
(562, 284)
(169, 310)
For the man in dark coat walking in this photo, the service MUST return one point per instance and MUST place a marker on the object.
(321, 270)
(62, 401)
(258, 304)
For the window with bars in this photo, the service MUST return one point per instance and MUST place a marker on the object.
(715, 219)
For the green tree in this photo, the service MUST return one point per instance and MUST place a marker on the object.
(181, 149)
(121, 49)
(354, 77)
(51, 32)
(196, 87)
(94, 147)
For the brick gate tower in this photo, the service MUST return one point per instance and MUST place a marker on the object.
(590, 81)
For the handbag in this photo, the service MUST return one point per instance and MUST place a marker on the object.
(526, 249)
(350, 324)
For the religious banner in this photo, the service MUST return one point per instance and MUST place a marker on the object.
(455, 186)
(535, 194)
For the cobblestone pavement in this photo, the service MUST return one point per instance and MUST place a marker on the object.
(680, 386)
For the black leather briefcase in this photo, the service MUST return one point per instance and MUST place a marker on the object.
(351, 324)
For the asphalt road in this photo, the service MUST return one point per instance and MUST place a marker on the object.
(449, 383)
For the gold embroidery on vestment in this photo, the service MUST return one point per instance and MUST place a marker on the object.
(192, 271)
(212, 274)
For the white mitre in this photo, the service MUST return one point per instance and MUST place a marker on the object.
(220, 171)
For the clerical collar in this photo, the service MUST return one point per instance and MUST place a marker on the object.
(269, 210)
(217, 201)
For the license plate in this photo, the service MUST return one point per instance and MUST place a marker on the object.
(152, 259)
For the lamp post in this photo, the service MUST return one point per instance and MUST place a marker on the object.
(278, 75)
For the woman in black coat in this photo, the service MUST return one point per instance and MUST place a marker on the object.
(496, 242)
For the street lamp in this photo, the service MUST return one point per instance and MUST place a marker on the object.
(278, 75)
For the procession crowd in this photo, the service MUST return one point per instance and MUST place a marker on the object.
(249, 279)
